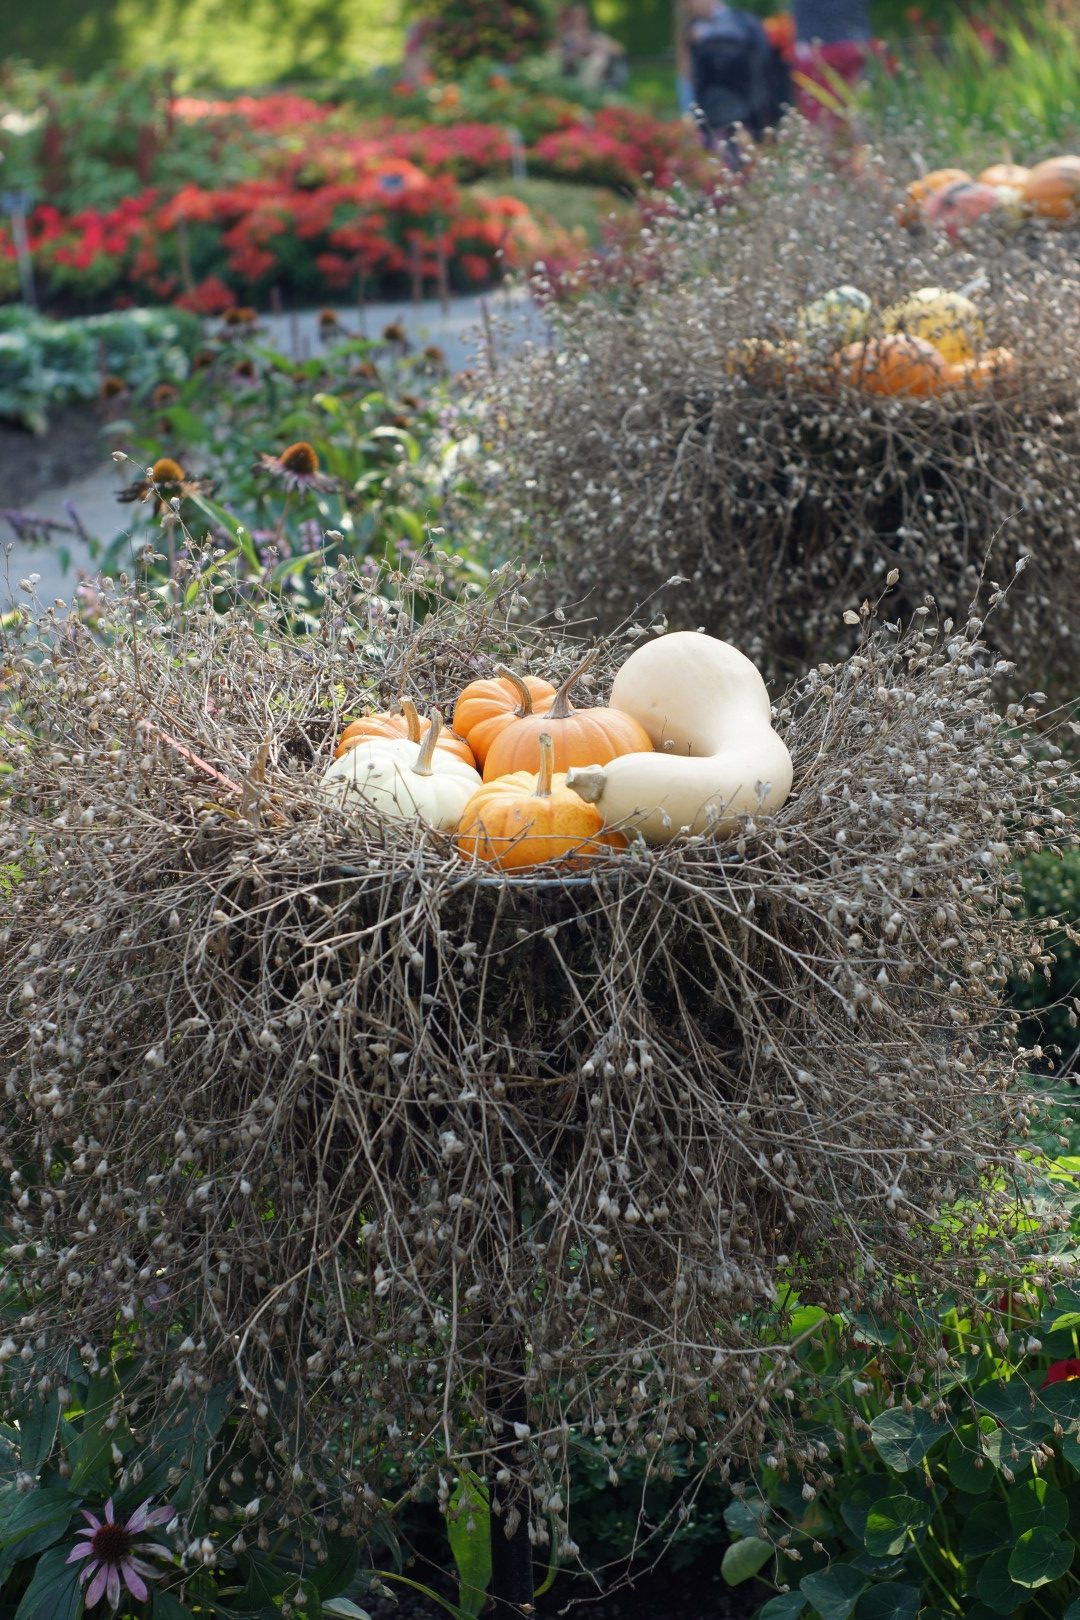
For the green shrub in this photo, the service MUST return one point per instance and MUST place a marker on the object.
(1052, 889)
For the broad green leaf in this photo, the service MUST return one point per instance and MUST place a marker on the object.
(167, 1607)
(54, 1592)
(337, 1569)
(746, 1514)
(1070, 1449)
(1073, 1611)
(1039, 1557)
(962, 1454)
(996, 1587)
(785, 1606)
(893, 1601)
(1035, 1502)
(31, 1521)
(345, 1609)
(902, 1439)
(835, 1591)
(893, 1523)
(37, 1431)
(986, 1530)
(743, 1558)
(855, 1508)
(468, 1529)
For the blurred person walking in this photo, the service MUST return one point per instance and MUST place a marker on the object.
(739, 79)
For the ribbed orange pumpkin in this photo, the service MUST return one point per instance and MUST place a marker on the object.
(579, 736)
(486, 708)
(1052, 189)
(995, 368)
(1005, 174)
(897, 364)
(406, 725)
(518, 822)
(919, 191)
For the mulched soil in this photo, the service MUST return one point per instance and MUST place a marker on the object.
(31, 463)
(697, 1593)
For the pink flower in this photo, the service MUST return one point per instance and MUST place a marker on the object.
(110, 1551)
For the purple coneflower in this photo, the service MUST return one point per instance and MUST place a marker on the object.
(297, 467)
(110, 1551)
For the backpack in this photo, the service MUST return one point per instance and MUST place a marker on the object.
(739, 77)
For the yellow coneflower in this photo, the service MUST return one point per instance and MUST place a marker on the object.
(297, 467)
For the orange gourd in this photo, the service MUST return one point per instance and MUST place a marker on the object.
(1005, 174)
(579, 736)
(1052, 189)
(993, 369)
(920, 191)
(519, 822)
(486, 708)
(407, 726)
(893, 365)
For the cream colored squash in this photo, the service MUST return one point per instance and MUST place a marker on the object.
(406, 782)
(705, 707)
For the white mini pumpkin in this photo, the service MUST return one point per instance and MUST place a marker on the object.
(388, 777)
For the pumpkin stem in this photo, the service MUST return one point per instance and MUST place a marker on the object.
(562, 707)
(547, 766)
(525, 702)
(412, 719)
(427, 747)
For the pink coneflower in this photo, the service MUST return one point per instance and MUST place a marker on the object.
(296, 467)
(110, 1551)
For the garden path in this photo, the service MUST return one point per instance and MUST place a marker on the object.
(458, 330)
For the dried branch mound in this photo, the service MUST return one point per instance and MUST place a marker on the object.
(643, 445)
(336, 1120)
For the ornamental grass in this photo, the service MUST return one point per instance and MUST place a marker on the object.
(657, 437)
(387, 1146)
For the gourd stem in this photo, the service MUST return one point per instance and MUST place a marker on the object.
(525, 702)
(412, 719)
(562, 707)
(547, 766)
(427, 747)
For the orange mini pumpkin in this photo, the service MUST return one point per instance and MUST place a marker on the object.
(920, 191)
(407, 726)
(1005, 174)
(579, 736)
(995, 368)
(485, 708)
(897, 364)
(1052, 189)
(518, 822)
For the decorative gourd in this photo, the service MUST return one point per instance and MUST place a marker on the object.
(520, 821)
(1014, 175)
(390, 777)
(1052, 189)
(486, 708)
(839, 316)
(948, 320)
(706, 710)
(579, 736)
(966, 202)
(762, 359)
(993, 369)
(893, 365)
(407, 726)
(920, 191)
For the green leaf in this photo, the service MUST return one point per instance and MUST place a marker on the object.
(167, 1607)
(834, 1592)
(743, 1558)
(996, 1586)
(855, 1508)
(894, 1601)
(1070, 1449)
(902, 1439)
(745, 1515)
(892, 1523)
(961, 1455)
(986, 1530)
(337, 1569)
(1073, 1611)
(31, 1521)
(1036, 1502)
(345, 1609)
(785, 1606)
(37, 1431)
(54, 1593)
(468, 1529)
(1039, 1557)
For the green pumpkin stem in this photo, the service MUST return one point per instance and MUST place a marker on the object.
(427, 747)
(562, 707)
(525, 702)
(547, 766)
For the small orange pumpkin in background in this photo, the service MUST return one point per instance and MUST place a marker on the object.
(920, 191)
(1005, 174)
(408, 726)
(579, 736)
(519, 821)
(485, 708)
(995, 368)
(896, 364)
(1052, 189)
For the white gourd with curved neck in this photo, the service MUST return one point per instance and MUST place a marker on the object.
(706, 710)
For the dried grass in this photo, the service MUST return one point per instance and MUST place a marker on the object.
(335, 1120)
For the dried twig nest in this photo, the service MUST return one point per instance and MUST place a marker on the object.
(690, 421)
(350, 1126)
